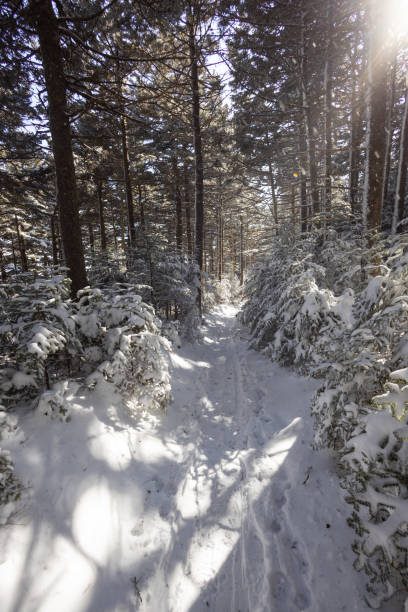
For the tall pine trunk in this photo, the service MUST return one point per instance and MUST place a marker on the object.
(307, 115)
(177, 206)
(376, 123)
(389, 128)
(101, 213)
(128, 183)
(67, 200)
(400, 188)
(198, 155)
(187, 208)
(328, 108)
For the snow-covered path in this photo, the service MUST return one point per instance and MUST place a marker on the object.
(219, 505)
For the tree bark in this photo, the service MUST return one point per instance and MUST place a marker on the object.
(187, 208)
(302, 178)
(400, 188)
(128, 183)
(101, 213)
(54, 242)
(91, 238)
(47, 30)
(141, 208)
(273, 193)
(178, 207)
(241, 251)
(21, 247)
(389, 128)
(198, 155)
(328, 110)
(307, 116)
(377, 105)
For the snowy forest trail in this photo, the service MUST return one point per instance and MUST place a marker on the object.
(221, 504)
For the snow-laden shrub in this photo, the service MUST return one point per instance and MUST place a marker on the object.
(294, 318)
(121, 337)
(11, 488)
(375, 345)
(227, 290)
(37, 335)
(56, 403)
(375, 474)
(12, 492)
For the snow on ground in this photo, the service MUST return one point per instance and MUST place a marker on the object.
(219, 505)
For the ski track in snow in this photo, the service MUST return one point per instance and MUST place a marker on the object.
(219, 505)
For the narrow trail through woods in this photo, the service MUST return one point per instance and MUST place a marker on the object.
(220, 504)
(259, 523)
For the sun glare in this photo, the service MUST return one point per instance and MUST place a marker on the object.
(397, 17)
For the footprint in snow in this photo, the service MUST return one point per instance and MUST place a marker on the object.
(279, 585)
(302, 600)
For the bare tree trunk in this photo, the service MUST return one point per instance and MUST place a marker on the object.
(178, 207)
(400, 188)
(141, 208)
(356, 129)
(187, 208)
(101, 213)
(54, 242)
(233, 255)
(354, 157)
(128, 183)
(241, 251)
(198, 155)
(91, 238)
(307, 116)
(47, 29)
(302, 179)
(389, 128)
(114, 227)
(122, 224)
(273, 193)
(2, 267)
(21, 247)
(328, 108)
(377, 105)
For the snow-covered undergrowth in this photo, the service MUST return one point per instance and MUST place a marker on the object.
(335, 311)
(52, 346)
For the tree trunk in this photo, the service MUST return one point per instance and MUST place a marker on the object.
(376, 123)
(307, 117)
(178, 207)
(198, 155)
(356, 128)
(220, 242)
(187, 208)
(241, 251)
(54, 242)
(389, 128)
(114, 227)
(101, 214)
(2, 267)
(122, 224)
(328, 108)
(21, 247)
(233, 255)
(67, 202)
(273, 193)
(141, 208)
(91, 238)
(400, 188)
(302, 178)
(354, 157)
(128, 183)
